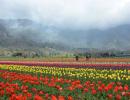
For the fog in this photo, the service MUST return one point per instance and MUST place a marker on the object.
(60, 17)
(79, 14)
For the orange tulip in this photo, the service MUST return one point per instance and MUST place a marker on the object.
(70, 98)
(37, 97)
(53, 97)
(61, 98)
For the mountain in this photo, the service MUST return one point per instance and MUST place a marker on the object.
(112, 38)
(25, 33)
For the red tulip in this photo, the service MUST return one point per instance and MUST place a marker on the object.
(116, 89)
(103, 85)
(1, 92)
(100, 89)
(118, 97)
(70, 98)
(25, 91)
(109, 96)
(94, 92)
(61, 98)
(106, 89)
(53, 97)
(21, 97)
(41, 92)
(86, 90)
(37, 97)
(126, 87)
(12, 97)
(29, 95)
(34, 90)
(120, 88)
(79, 86)
(99, 82)
(71, 88)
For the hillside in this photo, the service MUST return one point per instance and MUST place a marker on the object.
(25, 33)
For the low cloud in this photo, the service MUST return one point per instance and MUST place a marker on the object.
(74, 14)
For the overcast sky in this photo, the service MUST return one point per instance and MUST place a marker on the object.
(77, 14)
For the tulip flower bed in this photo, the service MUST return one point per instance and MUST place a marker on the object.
(97, 65)
(19, 82)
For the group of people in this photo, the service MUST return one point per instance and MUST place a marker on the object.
(77, 58)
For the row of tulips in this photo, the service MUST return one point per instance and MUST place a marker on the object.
(97, 65)
(19, 86)
(51, 83)
(16, 86)
(75, 73)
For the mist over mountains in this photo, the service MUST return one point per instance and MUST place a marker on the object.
(25, 33)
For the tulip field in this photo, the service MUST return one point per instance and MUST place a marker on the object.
(25, 82)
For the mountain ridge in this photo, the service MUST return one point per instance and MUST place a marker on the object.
(25, 33)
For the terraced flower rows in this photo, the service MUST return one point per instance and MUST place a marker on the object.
(19, 82)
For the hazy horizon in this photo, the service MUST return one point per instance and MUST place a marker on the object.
(78, 23)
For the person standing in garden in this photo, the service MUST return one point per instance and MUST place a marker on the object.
(76, 57)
